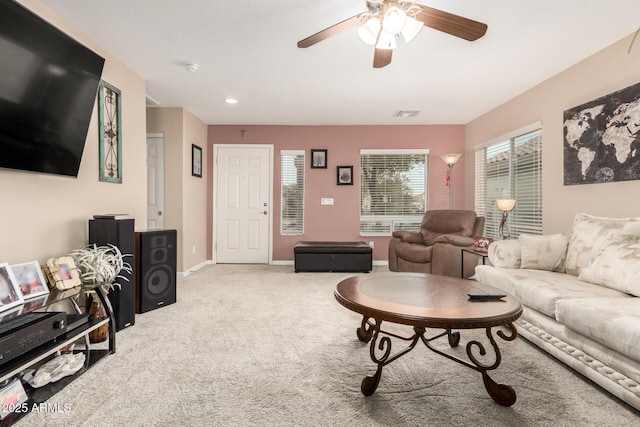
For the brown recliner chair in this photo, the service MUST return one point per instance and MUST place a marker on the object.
(437, 248)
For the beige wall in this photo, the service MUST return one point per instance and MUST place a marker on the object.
(185, 195)
(607, 71)
(195, 195)
(46, 215)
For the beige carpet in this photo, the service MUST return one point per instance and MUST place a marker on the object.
(262, 346)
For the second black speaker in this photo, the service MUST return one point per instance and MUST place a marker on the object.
(156, 266)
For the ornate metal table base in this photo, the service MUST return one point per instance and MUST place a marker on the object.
(380, 351)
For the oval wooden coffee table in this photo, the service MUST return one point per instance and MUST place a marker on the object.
(435, 302)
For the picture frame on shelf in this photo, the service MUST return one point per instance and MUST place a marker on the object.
(482, 244)
(10, 295)
(318, 159)
(344, 175)
(64, 272)
(13, 399)
(30, 279)
(109, 133)
(196, 161)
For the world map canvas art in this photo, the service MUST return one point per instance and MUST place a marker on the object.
(602, 139)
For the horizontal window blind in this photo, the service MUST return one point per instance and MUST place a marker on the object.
(511, 169)
(393, 190)
(292, 192)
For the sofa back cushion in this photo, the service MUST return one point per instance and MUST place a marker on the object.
(505, 253)
(438, 222)
(616, 266)
(591, 233)
(547, 252)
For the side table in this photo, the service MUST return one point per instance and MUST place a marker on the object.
(483, 255)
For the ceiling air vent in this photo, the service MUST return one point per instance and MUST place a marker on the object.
(406, 113)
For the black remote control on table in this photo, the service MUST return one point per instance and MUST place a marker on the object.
(486, 297)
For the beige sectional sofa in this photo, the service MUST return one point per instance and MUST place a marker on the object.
(580, 296)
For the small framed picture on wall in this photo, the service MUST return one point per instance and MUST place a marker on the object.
(318, 159)
(345, 175)
(196, 161)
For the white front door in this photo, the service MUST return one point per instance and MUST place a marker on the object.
(242, 203)
(155, 181)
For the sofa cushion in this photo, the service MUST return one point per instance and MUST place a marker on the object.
(546, 252)
(616, 266)
(591, 233)
(540, 289)
(504, 253)
(414, 252)
(613, 322)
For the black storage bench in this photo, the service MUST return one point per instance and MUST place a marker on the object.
(332, 256)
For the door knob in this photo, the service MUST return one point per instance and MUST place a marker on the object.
(264, 212)
(159, 213)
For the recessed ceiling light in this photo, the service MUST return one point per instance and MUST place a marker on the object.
(406, 113)
(231, 101)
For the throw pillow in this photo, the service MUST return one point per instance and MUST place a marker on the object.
(616, 266)
(590, 234)
(504, 253)
(547, 252)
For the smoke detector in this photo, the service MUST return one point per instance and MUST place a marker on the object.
(191, 67)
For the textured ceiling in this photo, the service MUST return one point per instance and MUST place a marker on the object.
(247, 49)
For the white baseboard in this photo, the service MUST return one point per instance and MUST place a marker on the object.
(275, 262)
(182, 274)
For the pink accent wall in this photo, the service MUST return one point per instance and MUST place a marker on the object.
(341, 221)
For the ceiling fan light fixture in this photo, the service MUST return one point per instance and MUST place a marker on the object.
(411, 29)
(394, 20)
(368, 32)
(386, 41)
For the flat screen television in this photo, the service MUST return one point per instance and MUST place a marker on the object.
(48, 87)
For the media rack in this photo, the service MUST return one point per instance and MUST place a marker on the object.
(40, 355)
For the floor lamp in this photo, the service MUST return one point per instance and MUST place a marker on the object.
(506, 206)
(450, 160)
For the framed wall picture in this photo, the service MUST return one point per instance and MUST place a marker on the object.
(109, 135)
(318, 159)
(30, 279)
(345, 175)
(196, 161)
(10, 295)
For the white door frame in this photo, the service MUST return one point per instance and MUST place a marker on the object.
(215, 195)
(159, 185)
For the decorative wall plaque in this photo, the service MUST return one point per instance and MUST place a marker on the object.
(110, 137)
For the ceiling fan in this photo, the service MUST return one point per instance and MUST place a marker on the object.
(387, 20)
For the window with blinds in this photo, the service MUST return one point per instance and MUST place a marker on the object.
(292, 192)
(511, 169)
(393, 190)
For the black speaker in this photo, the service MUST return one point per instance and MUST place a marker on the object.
(119, 232)
(156, 258)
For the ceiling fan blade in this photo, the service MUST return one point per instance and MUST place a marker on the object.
(336, 29)
(382, 58)
(449, 23)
